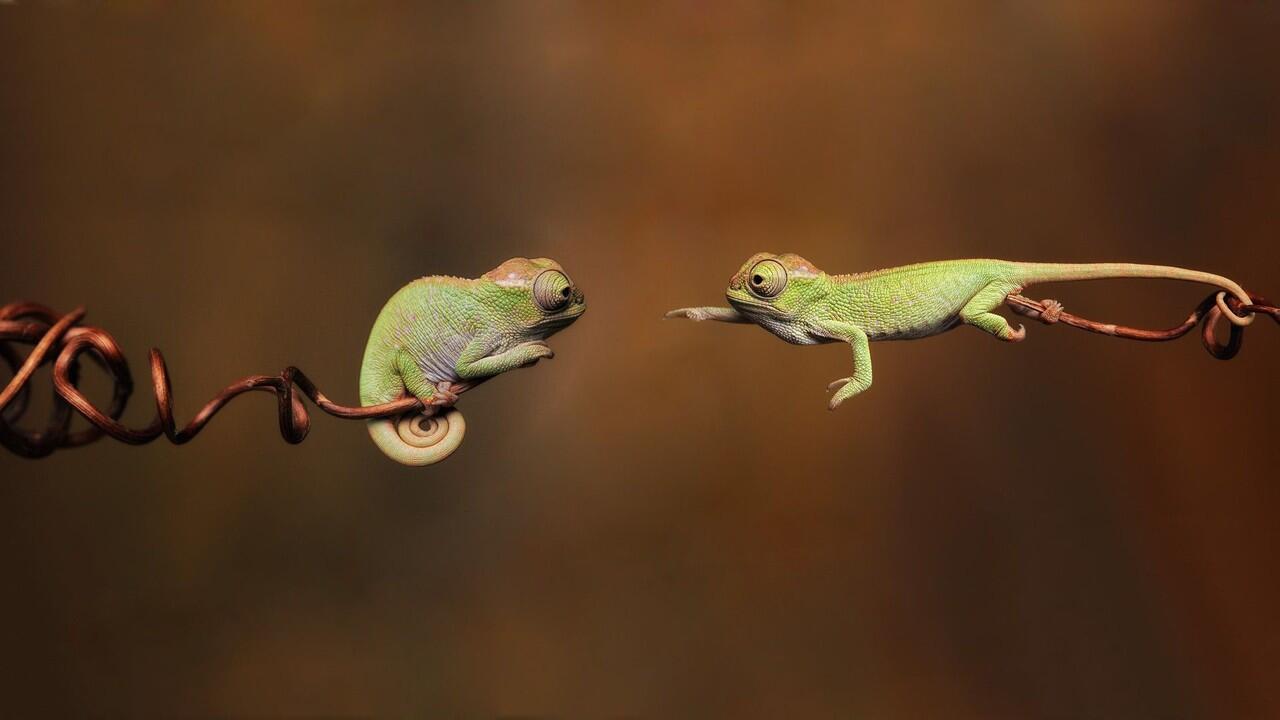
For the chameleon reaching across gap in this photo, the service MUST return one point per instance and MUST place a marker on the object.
(791, 298)
(440, 336)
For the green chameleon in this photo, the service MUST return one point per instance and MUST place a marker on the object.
(439, 336)
(791, 298)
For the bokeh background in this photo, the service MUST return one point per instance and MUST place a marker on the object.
(665, 519)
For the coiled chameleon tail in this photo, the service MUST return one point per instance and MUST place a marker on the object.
(416, 438)
(438, 337)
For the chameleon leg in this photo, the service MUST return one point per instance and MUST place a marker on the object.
(721, 314)
(474, 364)
(418, 437)
(977, 312)
(420, 386)
(861, 379)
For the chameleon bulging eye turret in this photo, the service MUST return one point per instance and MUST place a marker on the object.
(552, 290)
(767, 279)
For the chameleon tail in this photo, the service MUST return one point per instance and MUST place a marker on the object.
(1029, 273)
(417, 439)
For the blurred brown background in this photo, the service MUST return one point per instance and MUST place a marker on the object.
(664, 520)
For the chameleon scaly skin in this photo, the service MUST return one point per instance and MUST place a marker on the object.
(791, 298)
(439, 336)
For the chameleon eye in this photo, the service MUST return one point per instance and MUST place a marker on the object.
(767, 279)
(552, 290)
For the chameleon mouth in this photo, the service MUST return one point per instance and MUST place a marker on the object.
(750, 305)
(563, 319)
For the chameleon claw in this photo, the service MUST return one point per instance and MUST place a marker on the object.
(839, 386)
(542, 352)
(442, 397)
(694, 314)
(845, 388)
(1017, 335)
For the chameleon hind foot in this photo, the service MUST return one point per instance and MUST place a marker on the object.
(978, 313)
(997, 326)
(443, 395)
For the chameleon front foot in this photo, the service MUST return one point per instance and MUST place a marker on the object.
(844, 388)
(698, 314)
(836, 384)
(535, 351)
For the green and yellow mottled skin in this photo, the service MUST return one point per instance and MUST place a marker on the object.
(440, 336)
(791, 298)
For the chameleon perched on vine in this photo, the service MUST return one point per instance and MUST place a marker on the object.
(440, 336)
(791, 298)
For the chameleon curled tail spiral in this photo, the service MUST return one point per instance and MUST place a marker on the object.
(416, 438)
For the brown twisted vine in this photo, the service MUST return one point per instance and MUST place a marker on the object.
(1209, 310)
(61, 338)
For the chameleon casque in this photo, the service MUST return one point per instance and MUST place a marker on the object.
(791, 298)
(440, 336)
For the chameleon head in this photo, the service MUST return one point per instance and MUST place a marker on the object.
(535, 296)
(771, 289)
